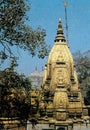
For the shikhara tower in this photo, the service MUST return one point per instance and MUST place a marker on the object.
(62, 95)
(60, 102)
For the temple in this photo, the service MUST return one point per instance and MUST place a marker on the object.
(60, 102)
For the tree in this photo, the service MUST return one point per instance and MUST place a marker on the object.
(15, 33)
(82, 62)
(14, 94)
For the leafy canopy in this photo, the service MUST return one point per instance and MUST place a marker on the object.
(82, 62)
(15, 33)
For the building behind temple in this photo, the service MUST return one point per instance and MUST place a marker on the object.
(36, 79)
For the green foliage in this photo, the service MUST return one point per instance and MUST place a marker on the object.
(82, 62)
(15, 33)
(11, 79)
(14, 94)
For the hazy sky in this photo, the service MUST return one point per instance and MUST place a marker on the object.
(46, 13)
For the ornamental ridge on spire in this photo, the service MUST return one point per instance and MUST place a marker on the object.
(60, 36)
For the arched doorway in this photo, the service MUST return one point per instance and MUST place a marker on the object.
(61, 128)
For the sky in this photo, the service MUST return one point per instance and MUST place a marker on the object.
(46, 14)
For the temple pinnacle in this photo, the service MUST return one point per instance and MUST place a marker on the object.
(60, 37)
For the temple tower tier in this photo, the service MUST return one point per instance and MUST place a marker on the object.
(60, 84)
(60, 99)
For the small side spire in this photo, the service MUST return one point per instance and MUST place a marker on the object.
(60, 36)
(36, 68)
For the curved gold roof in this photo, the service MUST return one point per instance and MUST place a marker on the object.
(60, 65)
(60, 98)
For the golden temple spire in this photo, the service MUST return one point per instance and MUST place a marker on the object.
(60, 37)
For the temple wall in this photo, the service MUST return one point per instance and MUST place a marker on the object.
(47, 127)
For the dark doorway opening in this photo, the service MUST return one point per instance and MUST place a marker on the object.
(61, 128)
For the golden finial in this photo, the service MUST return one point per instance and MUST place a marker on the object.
(65, 3)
